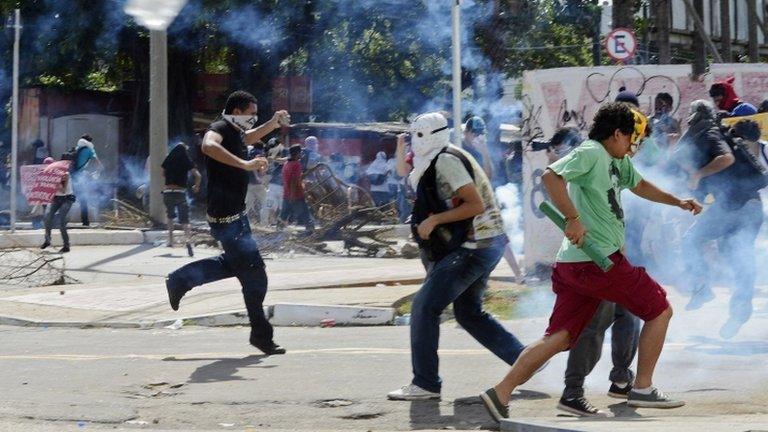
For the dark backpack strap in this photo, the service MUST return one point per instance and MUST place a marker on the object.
(467, 164)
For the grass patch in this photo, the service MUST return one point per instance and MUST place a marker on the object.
(501, 299)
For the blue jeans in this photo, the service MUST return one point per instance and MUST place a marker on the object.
(459, 278)
(583, 357)
(736, 231)
(241, 259)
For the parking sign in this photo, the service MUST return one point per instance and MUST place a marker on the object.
(621, 44)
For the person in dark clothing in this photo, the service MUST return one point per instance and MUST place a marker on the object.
(58, 210)
(176, 169)
(474, 143)
(295, 207)
(724, 96)
(734, 219)
(225, 145)
(40, 151)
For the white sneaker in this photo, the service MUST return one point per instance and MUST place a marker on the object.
(412, 392)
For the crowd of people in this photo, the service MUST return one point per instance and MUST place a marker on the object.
(456, 221)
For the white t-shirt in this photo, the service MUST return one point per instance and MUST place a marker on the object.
(65, 189)
(451, 176)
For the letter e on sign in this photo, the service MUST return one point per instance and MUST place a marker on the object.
(621, 44)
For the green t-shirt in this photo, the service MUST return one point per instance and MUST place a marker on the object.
(595, 181)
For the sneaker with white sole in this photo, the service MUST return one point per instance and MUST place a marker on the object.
(581, 407)
(619, 392)
(495, 408)
(656, 399)
(412, 392)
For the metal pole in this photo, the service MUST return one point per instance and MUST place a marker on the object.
(158, 120)
(456, 40)
(15, 120)
(753, 47)
(725, 30)
(695, 13)
(663, 26)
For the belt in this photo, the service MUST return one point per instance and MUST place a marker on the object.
(226, 219)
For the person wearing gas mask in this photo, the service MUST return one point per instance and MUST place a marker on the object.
(460, 231)
(225, 147)
(723, 166)
(724, 96)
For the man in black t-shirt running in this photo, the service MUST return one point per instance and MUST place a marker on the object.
(225, 145)
(176, 169)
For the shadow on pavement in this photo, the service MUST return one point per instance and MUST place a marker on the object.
(468, 413)
(623, 411)
(713, 346)
(224, 369)
(133, 251)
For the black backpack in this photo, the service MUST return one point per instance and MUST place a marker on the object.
(446, 237)
(748, 173)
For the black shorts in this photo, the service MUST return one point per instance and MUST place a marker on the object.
(176, 203)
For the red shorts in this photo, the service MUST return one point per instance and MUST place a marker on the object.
(581, 286)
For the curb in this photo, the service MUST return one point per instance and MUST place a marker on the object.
(529, 426)
(280, 315)
(124, 237)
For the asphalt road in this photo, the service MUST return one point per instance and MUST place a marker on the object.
(331, 379)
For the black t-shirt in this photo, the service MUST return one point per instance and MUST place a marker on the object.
(177, 166)
(227, 185)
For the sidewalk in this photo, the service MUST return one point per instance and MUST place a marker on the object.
(87, 236)
(123, 286)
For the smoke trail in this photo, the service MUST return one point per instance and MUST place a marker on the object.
(512, 213)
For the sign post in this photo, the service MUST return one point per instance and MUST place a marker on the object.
(621, 44)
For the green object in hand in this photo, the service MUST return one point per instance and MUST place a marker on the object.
(588, 247)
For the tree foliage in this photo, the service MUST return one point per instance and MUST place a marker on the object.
(368, 59)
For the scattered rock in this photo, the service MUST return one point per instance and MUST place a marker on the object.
(137, 422)
(176, 324)
(333, 403)
(363, 415)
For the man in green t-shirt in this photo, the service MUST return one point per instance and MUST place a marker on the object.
(585, 186)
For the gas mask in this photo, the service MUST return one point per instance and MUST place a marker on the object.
(429, 132)
(243, 122)
(638, 133)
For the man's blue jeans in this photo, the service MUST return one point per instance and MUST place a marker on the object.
(459, 278)
(736, 231)
(241, 259)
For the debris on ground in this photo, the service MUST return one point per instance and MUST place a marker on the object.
(29, 267)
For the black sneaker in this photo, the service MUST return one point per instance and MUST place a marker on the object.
(493, 405)
(619, 392)
(65, 249)
(269, 347)
(45, 244)
(655, 399)
(580, 406)
(175, 294)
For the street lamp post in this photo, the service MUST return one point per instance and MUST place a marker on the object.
(456, 45)
(15, 120)
(156, 15)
